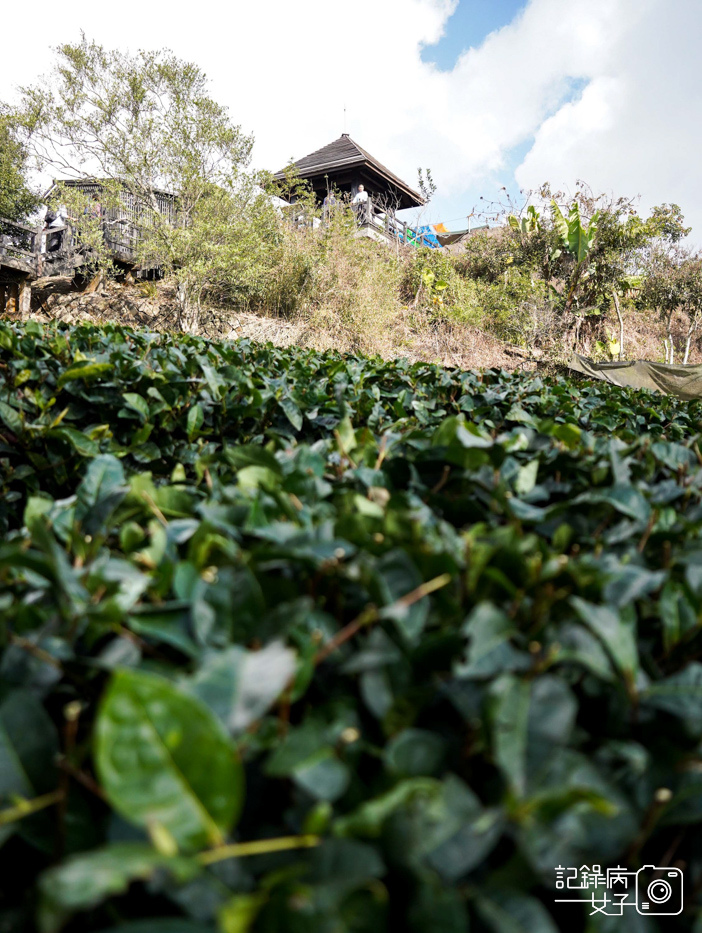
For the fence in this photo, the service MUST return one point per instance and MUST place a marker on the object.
(369, 215)
(125, 214)
(18, 245)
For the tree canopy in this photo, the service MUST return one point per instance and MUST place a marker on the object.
(17, 197)
(146, 121)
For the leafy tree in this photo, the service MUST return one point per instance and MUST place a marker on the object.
(226, 250)
(623, 250)
(667, 224)
(426, 183)
(673, 282)
(148, 121)
(17, 198)
(591, 249)
(488, 254)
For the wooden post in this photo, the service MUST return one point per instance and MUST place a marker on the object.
(11, 300)
(98, 281)
(24, 297)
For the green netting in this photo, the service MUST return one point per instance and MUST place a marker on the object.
(683, 381)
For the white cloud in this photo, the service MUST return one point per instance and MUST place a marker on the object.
(286, 70)
(636, 129)
(506, 89)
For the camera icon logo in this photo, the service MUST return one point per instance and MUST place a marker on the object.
(659, 891)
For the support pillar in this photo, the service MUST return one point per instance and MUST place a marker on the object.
(11, 298)
(24, 298)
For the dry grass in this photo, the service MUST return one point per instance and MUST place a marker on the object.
(388, 332)
(343, 294)
(643, 337)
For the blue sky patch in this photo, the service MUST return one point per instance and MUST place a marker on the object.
(472, 22)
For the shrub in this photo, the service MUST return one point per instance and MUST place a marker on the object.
(293, 640)
(487, 255)
(336, 282)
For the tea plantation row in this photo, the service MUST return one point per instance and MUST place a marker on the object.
(297, 642)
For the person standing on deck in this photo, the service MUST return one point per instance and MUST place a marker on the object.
(359, 203)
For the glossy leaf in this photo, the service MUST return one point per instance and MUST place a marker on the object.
(162, 758)
(240, 686)
(84, 881)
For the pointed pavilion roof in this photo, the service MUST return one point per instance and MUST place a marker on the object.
(344, 155)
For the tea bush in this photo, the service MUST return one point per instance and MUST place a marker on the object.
(297, 641)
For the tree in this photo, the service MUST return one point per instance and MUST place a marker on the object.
(147, 121)
(17, 198)
(426, 183)
(222, 252)
(673, 282)
(603, 247)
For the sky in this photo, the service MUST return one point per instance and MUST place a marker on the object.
(494, 96)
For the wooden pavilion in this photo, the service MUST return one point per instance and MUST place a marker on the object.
(124, 215)
(343, 166)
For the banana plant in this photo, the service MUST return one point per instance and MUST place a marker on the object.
(529, 223)
(576, 239)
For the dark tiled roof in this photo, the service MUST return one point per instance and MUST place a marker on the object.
(343, 153)
(343, 149)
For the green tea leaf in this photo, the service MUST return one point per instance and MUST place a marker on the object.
(84, 371)
(509, 713)
(196, 418)
(11, 418)
(240, 686)
(616, 632)
(680, 695)
(511, 912)
(137, 403)
(83, 881)
(292, 412)
(162, 757)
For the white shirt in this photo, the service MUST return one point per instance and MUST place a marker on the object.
(361, 196)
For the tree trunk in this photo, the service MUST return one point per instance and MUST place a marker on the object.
(578, 325)
(573, 285)
(690, 331)
(621, 323)
(187, 310)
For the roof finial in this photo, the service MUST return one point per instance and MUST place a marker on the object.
(344, 133)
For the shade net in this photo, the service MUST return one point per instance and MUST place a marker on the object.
(685, 381)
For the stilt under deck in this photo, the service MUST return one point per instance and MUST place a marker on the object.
(19, 266)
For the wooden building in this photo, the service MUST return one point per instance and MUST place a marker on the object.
(27, 253)
(123, 215)
(342, 166)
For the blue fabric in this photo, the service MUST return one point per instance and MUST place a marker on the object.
(425, 236)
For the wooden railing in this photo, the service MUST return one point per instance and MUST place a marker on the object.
(368, 214)
(18, 245)
(376, 216)
(42, 251)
